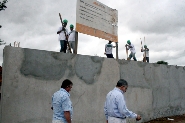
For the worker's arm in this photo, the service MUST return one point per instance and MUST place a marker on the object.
(141, 49)
(67, 116)
(127, 47)
(60, 30)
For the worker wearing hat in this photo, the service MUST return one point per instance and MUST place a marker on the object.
(63, 35)
(132, 50)
(71, 38)
(145, 54)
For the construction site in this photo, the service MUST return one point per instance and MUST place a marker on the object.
(29, 77)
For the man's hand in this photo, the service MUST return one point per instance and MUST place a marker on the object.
(106, 121)
(63, 29)
(138, 117)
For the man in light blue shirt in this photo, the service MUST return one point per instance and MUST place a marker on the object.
(61, 104)
(115, 106)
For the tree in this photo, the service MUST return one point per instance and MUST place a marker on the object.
(2, 42)
(162, 62)
(2, 5)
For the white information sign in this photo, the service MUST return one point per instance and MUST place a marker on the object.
(96, 19)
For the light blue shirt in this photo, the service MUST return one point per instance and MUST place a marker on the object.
(60, 103)
(115, 105)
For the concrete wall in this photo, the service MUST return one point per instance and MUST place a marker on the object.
(30, 77)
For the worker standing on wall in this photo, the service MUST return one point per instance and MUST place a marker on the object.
(108, 50)
(145, 54)
(61, 104)
(71, 38)
(115, 106)
(63, 35)
(132, 50)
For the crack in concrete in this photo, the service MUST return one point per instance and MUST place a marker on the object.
(78, 99)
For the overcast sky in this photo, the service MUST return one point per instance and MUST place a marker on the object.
(162, 22)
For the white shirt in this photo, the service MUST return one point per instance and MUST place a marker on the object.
(108, 48)
(115, 105)
(132, 49)
(62, 34)
(71, 35)
(147, 53)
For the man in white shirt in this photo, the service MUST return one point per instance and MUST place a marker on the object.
(63, 35)
(146, 52)
(132, 50)
(71, 38)
(108, 50)
(115, 107)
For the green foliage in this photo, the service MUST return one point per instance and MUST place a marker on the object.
(162, 62)
(2, 42)
(2, 5)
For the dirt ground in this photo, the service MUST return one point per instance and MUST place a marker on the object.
(172, 119)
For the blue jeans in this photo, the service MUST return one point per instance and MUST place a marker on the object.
(63, 46)
(132, 55)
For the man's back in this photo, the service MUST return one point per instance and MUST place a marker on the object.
(60, 102)
(113, 102)
(132, 49)
(108, 48)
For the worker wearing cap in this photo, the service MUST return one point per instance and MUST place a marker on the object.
(145, 54)
(108, 50)
(63, 35)
(71, 38)
(132, 50)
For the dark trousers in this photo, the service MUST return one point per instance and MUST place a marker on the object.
(109, 56)
(147, 59)
(63, 46)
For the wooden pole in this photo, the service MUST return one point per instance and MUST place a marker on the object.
(116, 50)
(126, 52)
(145, 51)
(76, 42)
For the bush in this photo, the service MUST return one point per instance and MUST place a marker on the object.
(162, 62)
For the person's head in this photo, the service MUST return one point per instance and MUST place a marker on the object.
(65, 22)
(122, 85)
(67, 85)
(71, 27)
(110, 42)
(128, 42)
(145, 46)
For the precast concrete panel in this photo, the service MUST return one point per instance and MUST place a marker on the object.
(30, 77)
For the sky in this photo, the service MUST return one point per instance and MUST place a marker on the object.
(162, 22)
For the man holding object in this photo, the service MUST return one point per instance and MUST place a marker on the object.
(115, 106)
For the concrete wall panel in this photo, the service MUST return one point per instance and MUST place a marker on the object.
(30, 77)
